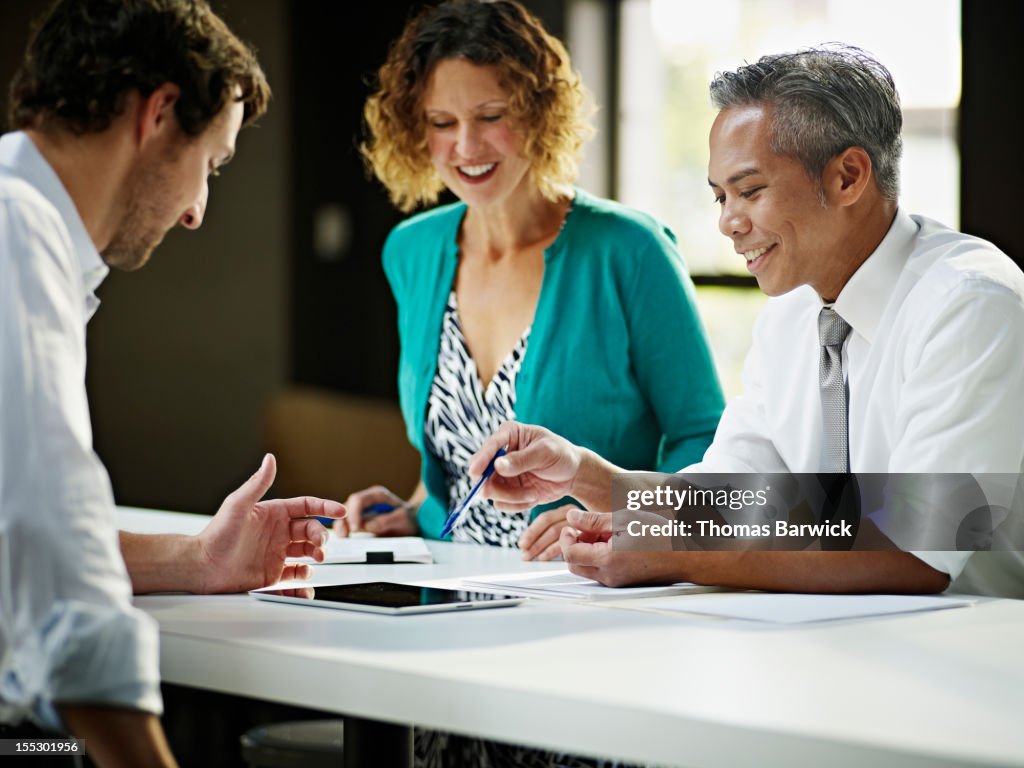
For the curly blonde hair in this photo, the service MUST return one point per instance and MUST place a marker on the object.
(547, 100)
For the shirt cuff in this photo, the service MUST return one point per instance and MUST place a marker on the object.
(951, 563)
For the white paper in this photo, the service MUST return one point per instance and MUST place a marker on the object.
(566, 585)
(799, 608)
(404, 549)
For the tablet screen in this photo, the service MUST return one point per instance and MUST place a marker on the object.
(389, 597)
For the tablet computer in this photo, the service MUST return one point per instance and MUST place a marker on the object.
(387, 597)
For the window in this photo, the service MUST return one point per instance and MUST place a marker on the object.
(670, 50)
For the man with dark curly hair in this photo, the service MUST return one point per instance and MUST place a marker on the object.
(123, 109)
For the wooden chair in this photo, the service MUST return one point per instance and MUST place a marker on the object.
(329, 444)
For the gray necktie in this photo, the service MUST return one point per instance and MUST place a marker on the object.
(832, 332)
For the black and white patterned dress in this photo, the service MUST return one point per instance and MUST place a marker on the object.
(461, 414)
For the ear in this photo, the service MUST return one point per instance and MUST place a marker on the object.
(155, 113)
(847, 176)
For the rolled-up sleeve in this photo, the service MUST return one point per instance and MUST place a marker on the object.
(81, 652)
(960, 409)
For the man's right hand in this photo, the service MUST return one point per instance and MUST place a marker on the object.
(538, 467)
(397, 522)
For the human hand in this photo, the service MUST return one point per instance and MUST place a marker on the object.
(397, 522)
(245, 545)
(538, 466)
(540, 539)
(596, 545)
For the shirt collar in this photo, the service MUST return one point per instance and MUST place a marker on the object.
(866, 294)
(23, 159)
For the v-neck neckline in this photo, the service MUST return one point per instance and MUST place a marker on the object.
(506, 361)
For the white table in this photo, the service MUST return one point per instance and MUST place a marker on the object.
(939, 688)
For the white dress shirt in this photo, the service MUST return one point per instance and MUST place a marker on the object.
(934, 363)
(68, 631)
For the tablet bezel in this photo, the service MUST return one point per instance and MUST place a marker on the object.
(492, 601)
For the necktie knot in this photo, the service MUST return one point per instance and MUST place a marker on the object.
(832, 329)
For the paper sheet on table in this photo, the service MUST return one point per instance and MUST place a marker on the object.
(799, 609)
(385, 550)
(566, 585)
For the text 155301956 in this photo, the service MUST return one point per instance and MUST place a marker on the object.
(10, 747)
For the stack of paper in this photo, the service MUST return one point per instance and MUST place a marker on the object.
(566, 585)
(799, 609)
(398, 549)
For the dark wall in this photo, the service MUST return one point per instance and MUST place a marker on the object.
(17, 16)
(343, 315)
(990, 124)
(184, 354)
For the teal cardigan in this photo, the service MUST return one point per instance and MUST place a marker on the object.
(617, 359)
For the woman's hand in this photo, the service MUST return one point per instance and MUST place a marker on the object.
(400, 521)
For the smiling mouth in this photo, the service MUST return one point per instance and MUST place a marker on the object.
(756, 257)
(476, 173)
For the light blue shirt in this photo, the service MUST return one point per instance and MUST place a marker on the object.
(68, 631)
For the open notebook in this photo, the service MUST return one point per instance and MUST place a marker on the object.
(398, 549)
(783, 608)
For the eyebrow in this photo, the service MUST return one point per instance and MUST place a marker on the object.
(483, 105)
(739, 175)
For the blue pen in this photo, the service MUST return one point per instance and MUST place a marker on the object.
(370, 511)
(453, 518)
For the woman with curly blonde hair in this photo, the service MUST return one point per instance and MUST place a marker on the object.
(528, 298)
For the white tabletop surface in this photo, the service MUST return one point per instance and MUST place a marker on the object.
(937, 688)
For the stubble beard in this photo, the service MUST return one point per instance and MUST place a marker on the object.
(142, 228)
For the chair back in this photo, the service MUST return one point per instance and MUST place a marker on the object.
(329, 444)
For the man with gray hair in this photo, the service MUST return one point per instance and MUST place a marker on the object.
(892, 343)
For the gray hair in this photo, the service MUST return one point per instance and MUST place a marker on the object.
(823, 101)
